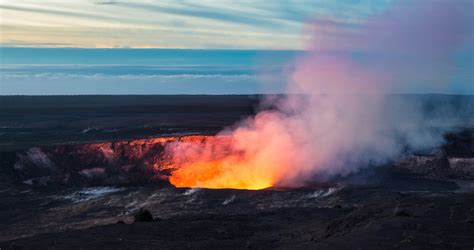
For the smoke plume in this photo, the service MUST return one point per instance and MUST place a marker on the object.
(335, 118)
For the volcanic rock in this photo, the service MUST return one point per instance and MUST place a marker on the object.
(435, 167)
(461, 168)
(110, 163)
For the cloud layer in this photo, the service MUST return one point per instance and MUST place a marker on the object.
(164, 24)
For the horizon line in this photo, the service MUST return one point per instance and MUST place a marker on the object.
(253, 94)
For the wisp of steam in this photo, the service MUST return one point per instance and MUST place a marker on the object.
(334, 119)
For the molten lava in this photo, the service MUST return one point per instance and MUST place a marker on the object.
(214, 162)
(262, 152)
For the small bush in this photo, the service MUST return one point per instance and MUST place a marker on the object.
(401, 213)
(142, 215)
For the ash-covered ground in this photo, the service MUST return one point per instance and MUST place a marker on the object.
(74, 176)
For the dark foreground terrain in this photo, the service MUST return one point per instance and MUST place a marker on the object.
(361, 218)
(72, 177)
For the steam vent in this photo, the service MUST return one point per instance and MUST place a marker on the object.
(226, 124)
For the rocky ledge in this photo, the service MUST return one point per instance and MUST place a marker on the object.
(138, 162)
(109, 163)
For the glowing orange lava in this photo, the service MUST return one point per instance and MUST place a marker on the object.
(214, 162)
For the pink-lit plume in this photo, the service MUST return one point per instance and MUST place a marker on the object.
(340, 123)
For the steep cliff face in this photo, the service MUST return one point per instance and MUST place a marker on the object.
(110, 163)
(139, 162)
(435, 167)
(462, 167)
(455, 159)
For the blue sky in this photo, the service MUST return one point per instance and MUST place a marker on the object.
(209, 47)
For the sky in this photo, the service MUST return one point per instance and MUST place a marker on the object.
(211, 24)
(244, 47)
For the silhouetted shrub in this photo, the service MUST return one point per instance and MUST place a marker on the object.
(402, 213)
(142, 215)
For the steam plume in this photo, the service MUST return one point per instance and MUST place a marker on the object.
(341, 123)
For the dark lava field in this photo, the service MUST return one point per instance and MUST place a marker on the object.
(74, 177)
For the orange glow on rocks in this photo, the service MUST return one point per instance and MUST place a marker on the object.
(214, 162)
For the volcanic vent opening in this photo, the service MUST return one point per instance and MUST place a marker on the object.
(215, 162)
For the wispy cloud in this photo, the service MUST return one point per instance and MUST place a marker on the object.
(106, 2)
(50, 11)
(275, 24)
(217, 78)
